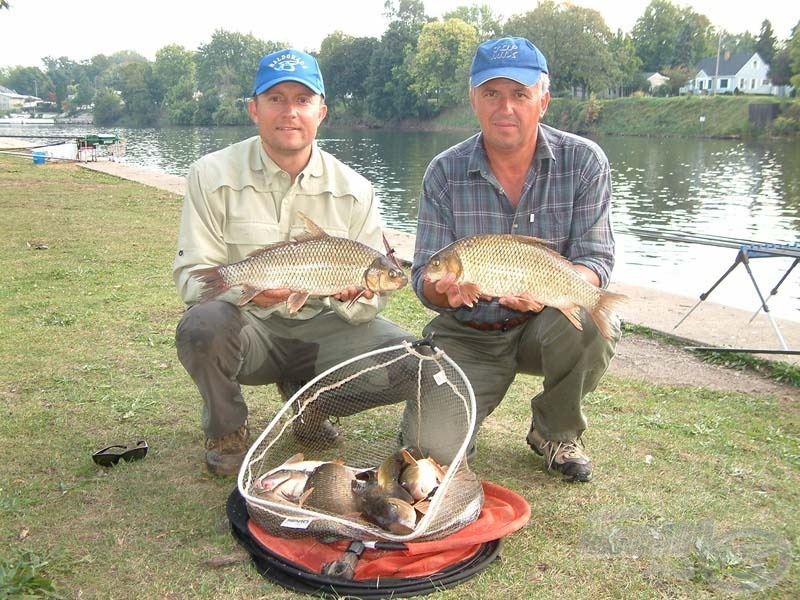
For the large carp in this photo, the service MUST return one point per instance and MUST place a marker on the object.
(312, 264)
(512, 265)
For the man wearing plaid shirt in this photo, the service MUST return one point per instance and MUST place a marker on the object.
(523, 177)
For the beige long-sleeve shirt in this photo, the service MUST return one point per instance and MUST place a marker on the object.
(238, 200)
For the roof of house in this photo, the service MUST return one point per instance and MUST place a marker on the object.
(727, 66)
(5, 90)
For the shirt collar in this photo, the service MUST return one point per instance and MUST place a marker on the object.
(262, 161)
(478, 161)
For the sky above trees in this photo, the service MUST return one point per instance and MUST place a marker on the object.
(30, 31)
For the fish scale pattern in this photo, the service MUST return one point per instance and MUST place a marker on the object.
(507, 265)
(329, 265)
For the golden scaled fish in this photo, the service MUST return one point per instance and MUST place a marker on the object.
(388, 512)
(330, 489)
(420, 477)
(312, 264)
(512, 265)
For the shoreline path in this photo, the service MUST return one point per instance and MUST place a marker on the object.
(711, 324)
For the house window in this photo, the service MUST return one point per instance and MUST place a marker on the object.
(723, 84)
(755, 64)
(741, 83)
(752, 84)
(700, 84)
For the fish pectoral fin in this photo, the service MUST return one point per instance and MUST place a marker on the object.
(304, 496)
(422, 506)
(573, 314)
(356, 297)
(470, 292)
(529, 303)
(296, 300)
(248, 293)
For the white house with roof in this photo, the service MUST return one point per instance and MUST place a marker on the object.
(743, 73)
(656, 80)
(11, 100)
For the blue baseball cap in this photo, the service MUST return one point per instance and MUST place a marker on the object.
(509, 57)
(288, 65)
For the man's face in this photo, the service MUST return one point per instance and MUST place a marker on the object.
(508, 112)
(287, 116)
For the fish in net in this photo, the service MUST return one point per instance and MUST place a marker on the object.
(368, 485)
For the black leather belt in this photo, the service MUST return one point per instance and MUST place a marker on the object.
(500, 326)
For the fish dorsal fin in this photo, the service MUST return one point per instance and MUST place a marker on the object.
(313, 231)
(407, 456)
(299, 457)
(533, 241)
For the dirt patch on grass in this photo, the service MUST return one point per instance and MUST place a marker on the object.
(661, 362)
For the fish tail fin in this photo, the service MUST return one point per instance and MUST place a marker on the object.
(213, 281)
(604, 310)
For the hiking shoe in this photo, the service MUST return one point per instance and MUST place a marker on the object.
(312, 427)
(224, 455)
(566, 458)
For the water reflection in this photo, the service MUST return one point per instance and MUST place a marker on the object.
(749, 191)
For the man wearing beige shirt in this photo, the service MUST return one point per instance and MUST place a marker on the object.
(247, 196)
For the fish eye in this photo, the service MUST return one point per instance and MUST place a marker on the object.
(435, 262)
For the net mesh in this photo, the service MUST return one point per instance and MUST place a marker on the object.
(297, 483)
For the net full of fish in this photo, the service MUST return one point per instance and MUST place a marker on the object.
(511, 265)
(312, 264)
(393, 495)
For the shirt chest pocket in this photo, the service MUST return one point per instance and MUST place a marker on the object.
(552, 225)
(242, 237)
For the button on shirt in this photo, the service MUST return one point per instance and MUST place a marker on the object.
(238, 200)
(566, 200)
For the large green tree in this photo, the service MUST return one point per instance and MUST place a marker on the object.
(440, 67)
(389, 81)
(344, 61)
(136, 88)
(577, 44)
(669, 36)
(227, 64)
(628, 63)
(62, 73)
(481, 17)
(31, 81)
(794, 56)
(767, 44)
(175, 83)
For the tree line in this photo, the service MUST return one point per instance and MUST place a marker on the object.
(416, 69)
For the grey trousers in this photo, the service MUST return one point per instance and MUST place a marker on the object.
(571, 362)
(223, 347)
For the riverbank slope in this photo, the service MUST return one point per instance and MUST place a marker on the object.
(684, 116)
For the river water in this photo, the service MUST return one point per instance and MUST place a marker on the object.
(728, 188)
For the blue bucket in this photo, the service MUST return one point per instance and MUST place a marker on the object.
(39, 157)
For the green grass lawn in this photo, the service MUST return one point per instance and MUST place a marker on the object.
(695, 492)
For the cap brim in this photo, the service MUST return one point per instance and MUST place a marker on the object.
(524, 76)
(264, 87)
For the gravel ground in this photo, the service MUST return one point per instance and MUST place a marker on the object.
(644, 357)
